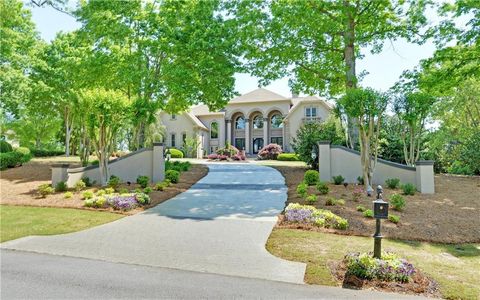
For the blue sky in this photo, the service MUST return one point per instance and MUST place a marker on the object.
(384, 68)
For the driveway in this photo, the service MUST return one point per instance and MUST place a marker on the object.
(220, 225)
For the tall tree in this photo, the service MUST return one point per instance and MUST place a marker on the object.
(368, 107)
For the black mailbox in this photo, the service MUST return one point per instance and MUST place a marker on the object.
(380, 209)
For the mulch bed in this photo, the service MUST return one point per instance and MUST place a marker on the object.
(420, 284)
(19, 186)
(451, 215)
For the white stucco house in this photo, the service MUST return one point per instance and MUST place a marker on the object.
(248, 122)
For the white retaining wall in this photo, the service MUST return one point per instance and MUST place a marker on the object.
(339, 160)
(147, 162)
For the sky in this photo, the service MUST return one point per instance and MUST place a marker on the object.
(384, 69)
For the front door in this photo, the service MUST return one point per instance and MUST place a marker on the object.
(257, 145)
(240, 143)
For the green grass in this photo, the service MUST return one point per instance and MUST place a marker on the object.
(20, 221)
(455, 267)
(274, 163)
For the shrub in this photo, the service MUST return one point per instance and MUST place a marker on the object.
(142, 198)
(302, 189)
(61, 186)
(45, 189)
(459, 167)
(160, 186)
(11, 160)
(228, 151)
(45, 152)
(25, 152)
(340, 202)
(212, 156)
(388, 268)
(110, 190)
(68, 195)
(288, 157)
(311, 199)
(307, 214)
(368, 213)
(323, 188)
(100, 202)
(393, 218)
(175, 153)
(123, 202)
(311, 177)
(270, 151)
(147, 190)
(239, 156)
(360, 180)
(123, 191)
(392, 183)
(330, 201)
(357, 194)
(87, 195)
(87, 181)
(89, 203)
(397, 201)
(143, 181)
(172, 175)
(5, 147)
(339, 179)
(100, 193)
(167, 182)
(114, 182)
(361, 208)
(79, 185)
(409, 189)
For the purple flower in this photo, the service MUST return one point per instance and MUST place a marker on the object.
(123, 202)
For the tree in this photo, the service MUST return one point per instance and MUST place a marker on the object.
(316, 43)
(107, 112)
(310, 134)
(413, 110)
(368, 107)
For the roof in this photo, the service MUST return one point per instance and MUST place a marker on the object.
(202, 110)
(195, 120)
(308, 99)
(258, 95)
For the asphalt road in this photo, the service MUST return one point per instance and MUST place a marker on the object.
(26, 275)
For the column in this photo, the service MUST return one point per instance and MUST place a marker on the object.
(59, 173)
(158, 163)
(229, 132)
(265, 132)
(324, 161)
(425, 177)
(247, 136)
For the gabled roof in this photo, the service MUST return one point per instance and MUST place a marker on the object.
(202, 110)
(196, 121)
(308, 99)
(258, 95)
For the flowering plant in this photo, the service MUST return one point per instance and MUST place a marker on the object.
(212, 156)
(123, 202)
(357, 194)
(389, 268)
(270, 151)
(308, 214)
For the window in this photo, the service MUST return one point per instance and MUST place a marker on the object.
(240, 143)
(311, 112)
(172, 140)
(184, 137)
(214, 130)
(174, 116)
(276, 121)
(240, 123)
(277, 140)
(257, 122)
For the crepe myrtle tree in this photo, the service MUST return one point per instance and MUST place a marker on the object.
(367, 106)
(107, 111)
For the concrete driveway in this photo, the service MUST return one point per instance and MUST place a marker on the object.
(218, 226)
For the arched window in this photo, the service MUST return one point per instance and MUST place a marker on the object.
(276, 121)
(258, 122)
(214, 130)
(240, 123)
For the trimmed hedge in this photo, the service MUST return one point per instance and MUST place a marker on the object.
(12, 159)
(5, 147)
(45, 152)
(288, 157)
(175, 153)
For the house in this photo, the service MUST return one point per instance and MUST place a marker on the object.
(248, 122)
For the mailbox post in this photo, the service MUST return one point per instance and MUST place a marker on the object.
(380, 211)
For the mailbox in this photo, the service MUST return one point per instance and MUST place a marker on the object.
(380, 209)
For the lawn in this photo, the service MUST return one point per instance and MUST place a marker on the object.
(20, 221)
(455, 267)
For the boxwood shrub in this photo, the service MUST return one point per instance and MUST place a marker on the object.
(288, 157)
(175, 153)
(11, 159)
(311, 177)
(5, 147)
(45, 152)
